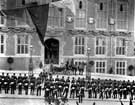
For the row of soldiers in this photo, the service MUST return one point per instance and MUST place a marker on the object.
(96, 88)
(73, 88)
(20, 83)
(110, 89)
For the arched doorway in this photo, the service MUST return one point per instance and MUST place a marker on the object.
(52, 51)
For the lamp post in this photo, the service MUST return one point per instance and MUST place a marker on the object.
(88, 71)
(31, 62)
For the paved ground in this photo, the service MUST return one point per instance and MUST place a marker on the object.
(24, 101)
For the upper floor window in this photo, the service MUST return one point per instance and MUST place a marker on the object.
(56, 17)
(2, 43)
(120, 46)
(122, 15)
(2, 20)
(79, 45)
(101, 18)
(101, 66)
(100, 46)
(80, 18)
(120, 67)
(22, 44)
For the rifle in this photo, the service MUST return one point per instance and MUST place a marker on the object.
(121, 101)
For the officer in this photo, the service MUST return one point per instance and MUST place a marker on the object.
(38, 84)
(32, 84)
(20, 84)
(13, 85)
(26, 86)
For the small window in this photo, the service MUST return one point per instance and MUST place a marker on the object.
(121, 7)
(80, 5)
(101, 6)
(23, 2)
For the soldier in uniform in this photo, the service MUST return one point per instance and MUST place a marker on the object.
(13, 85)
(115, 89)
(55, 90)
(77, 88)
(81, 94)
(6, 83)
(120, 90)
(26, 85)
(20, 77)
(73, 80)
(32, 84)
(89, 90)
(25, 77)
(2, 79)
(68, 80)
(133, 89)
(60, 88)
(52, 86)
(20, 84)
(47, 90)
(57, 79)
(38, 84)
(66, 89)
(73, 88)
(14, 76)
(0, 84)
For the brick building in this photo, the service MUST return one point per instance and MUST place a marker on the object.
(104, 26)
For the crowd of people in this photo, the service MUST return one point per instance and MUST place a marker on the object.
(66, 87)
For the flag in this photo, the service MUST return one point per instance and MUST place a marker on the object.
(39, 16)
(70, 4)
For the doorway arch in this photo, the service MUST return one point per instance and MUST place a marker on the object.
(52, 51)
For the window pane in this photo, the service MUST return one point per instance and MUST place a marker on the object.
(79, 45)
(18, 49)
(2, 48)
(2, 39)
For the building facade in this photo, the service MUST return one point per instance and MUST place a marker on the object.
(106, 27)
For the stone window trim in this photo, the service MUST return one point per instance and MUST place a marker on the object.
(120, 67)
(100, 66)
(25, 53)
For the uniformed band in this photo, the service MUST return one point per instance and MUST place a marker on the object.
(68, 87)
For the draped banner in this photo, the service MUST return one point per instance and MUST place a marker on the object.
(70, 4)
(39, 16)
